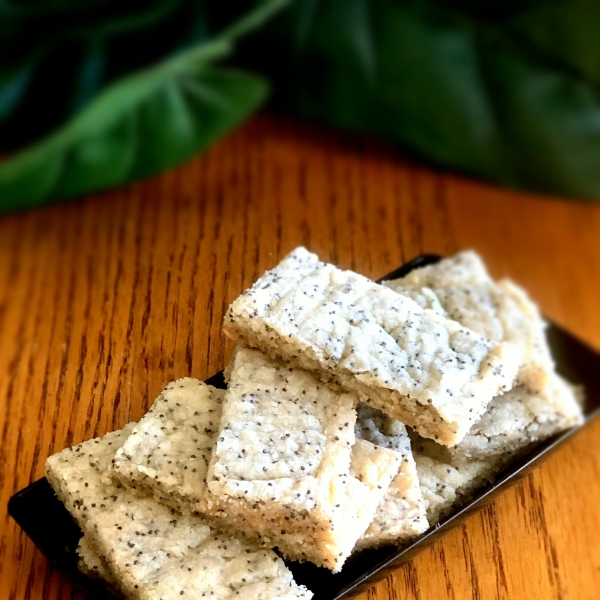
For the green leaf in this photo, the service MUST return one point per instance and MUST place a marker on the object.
(564, 32)
(145, 123)
(62, 53)
(12, 86)
(468, 85)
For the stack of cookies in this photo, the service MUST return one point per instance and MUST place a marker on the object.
(356, 415)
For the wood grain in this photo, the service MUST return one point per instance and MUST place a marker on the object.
(105, 300)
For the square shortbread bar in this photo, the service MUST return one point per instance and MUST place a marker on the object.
(413, 364)
(287, 466)
(446, 483)
(153, 552)
(519, 418)
(461, 289)
(400, 515)
(445, 486)
(168, 451)
(512, 423)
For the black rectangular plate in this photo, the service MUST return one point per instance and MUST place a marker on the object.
(45, 520)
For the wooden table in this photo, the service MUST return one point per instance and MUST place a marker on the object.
(104, 300)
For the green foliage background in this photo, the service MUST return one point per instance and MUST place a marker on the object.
(507, 91)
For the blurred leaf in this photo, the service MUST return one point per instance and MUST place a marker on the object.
(508, 90)
(89, 79)
(12, 85)
(485, 88)
(143, 124)
(565, 32)
(64, 53)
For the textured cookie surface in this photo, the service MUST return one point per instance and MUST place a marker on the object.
(461, 289)
(400, 516)
(90, 562)
(540, 404)
(445, 486)
(446, 483)
(168, 451)
(512, 424)
(465, 269)
(413, 364)
(519, 418)
(152, 551)
(286, 465)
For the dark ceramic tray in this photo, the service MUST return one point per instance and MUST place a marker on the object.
(44, 519)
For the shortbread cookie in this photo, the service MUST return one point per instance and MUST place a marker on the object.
(463, 269)
(511, 426)
(461, 289)
(446, 483)
(91, 564)
(413, 364)
(286, 464)
(153, 552)
(168, 450)
(445, 486)
(400, 515)
(520, 418)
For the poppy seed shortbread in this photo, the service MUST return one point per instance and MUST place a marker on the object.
(413, 364)
(400, 516)
(512, 423)
(287, 466)
(168, 451)
(90, 562)
(445, 485)
(153, 552)
(461, 289)
(519, 418)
